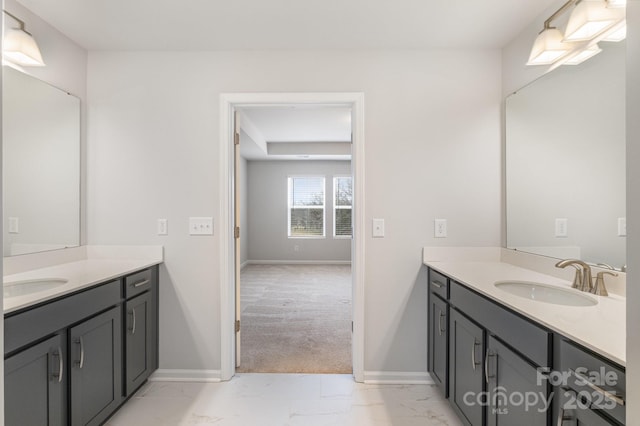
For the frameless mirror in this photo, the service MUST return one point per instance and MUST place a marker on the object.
(41, 165)
(565, 162)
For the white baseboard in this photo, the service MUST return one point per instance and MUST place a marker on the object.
(166, 375)
(397, 378)
(297, 262)
(244, 264)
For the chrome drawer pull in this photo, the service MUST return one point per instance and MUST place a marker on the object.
(440, 330)
(486, 365)
(613, 397)
(437, 284)
(473, 355)
(80, 363)
(60, 365)
(140, 283)
(562, 418)
(133, 325)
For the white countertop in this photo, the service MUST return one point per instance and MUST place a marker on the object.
(79, 274)
(601, 328)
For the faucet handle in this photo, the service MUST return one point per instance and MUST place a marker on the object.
(600, 289)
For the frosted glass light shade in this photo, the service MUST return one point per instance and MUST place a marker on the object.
(548, 47)
(583, 55)
(591, 18)
(617, 33)
(617, 3)
(20, 48)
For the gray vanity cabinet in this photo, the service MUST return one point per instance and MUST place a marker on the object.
(139, 342)
(37, 384)
(96, 368)
(438, 351)
(517, 393)
(466, 385)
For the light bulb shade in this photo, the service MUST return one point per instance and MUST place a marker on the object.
(548, 47)
(583, 55)
(20, 48)
(617, 33)
(616, 3)
(590, 18)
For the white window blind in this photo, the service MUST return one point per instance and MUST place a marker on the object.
(342, 206)
(306, 206)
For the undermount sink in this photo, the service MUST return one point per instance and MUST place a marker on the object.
(24, 287)
(546, 293)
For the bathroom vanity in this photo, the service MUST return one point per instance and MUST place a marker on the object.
(502, 358)
(75, 353)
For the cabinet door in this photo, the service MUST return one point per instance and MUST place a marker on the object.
(34, 383)
(438, 341)
(518, 394)
(465, 368)
(139, 346)
(96, 368)
(576, 412)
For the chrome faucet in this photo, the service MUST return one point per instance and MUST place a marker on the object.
(582, 280)
(599, 288)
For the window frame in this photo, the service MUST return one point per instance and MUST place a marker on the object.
(336, 207)
(323, 206)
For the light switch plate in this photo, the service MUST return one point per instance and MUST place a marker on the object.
(378, 228)
(622, 227)
(163, 227)
(561, 227)
(14, 225)
(440, 228)
(200, 226)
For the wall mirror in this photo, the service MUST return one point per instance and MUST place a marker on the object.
(565, 162)
(41, 165)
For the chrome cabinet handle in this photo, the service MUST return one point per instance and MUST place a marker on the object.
(133, 321)
(440, 316)
(473, 355)
(562, 418)
(80, 342)
(437, 284)
(140, 283)
(486, 365)
(60, 364)
(613, 397)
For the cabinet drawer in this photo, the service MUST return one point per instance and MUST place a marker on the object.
(28, 326)
(438, 284)
(138, 283)
(521, 334)
(594, 377)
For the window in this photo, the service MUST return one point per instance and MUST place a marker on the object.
(306, 206)
(342, 202)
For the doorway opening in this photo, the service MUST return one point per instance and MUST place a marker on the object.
(294, 199)
(230, 302)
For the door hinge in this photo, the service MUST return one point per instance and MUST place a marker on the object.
(236, 138)
(237, 326)
(352, 326)
(236, 232)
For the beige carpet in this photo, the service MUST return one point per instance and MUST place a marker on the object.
(296, 319)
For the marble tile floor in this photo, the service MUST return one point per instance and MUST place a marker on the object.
(285, 400)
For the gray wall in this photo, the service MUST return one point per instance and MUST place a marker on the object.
(633, 210)
(267, 208)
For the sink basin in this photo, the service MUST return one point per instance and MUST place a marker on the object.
(546, 293)
(21, 288)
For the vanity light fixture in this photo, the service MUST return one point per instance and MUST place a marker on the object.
(583, 55)
(19, 46)
(590, 21)
(590, 18)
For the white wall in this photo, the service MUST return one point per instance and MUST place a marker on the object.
(432, 149)
(633, 210)
(267, 207)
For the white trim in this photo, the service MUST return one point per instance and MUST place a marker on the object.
(166, 375)
(397, 378)
(296, 262)
(228, 103)
(245, 264)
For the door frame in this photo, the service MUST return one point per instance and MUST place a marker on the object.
(228, 103)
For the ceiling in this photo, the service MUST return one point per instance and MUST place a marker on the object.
(317, 132)
(288, 24)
